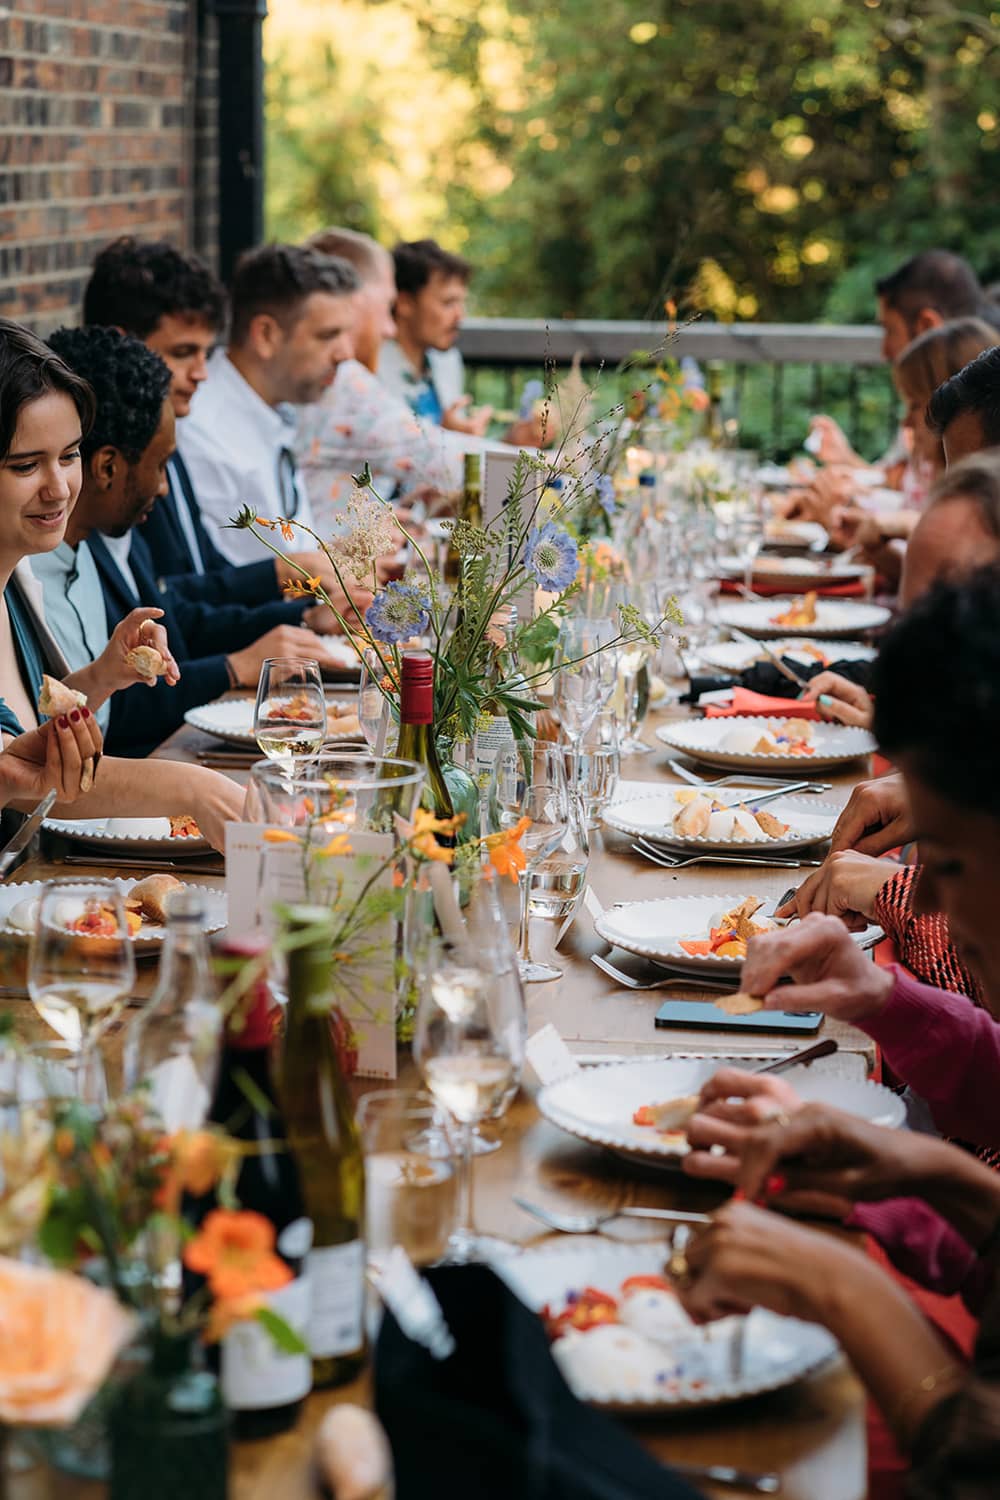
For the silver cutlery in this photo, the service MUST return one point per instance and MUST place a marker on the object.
(23, 836)
(799, 678)
(665, 861)
(669, 978)
(206, 864)
(727, 1477)
(591, 1223)
(736, 779)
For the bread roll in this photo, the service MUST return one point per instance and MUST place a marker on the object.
(151, 895)
(147, 661)
(56, 698)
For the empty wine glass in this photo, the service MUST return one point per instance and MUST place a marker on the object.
(468, 1042)
(81, 965)
(374, 712)
(529, 783)
(583, 666)
(289, 716)
(409, 1175)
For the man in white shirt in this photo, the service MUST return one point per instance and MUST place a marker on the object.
(292, 311)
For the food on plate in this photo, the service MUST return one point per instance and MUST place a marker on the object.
(703, 817)
(787, 737)
(98, 920)
(729, 936)
(639, 1337)
(54, 698)
(149, 896)
(300, 708)
(739, 1004)
(342, 719)
(184, 827)
(147, 661)
(669, 1117)
(799, 614)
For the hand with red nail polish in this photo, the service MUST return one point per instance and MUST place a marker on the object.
(75, 716)
(62, 755)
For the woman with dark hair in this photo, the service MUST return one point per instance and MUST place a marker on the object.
(45, 411)
(949, 1418)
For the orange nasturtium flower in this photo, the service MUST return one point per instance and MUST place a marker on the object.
(197, 1160)
(235, 1251)
(506, 855)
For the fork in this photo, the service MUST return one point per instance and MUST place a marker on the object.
(736, 779)
(681, 862)
(669, 979)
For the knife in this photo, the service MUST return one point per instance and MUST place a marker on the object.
(22, 838)
(772, 656)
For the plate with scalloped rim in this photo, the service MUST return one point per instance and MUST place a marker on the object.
(597, 1104)
(796, 573)
(687, 1366)
(709, 740)
(231, 719)
(19, 907)
(654, 929)
(138, 835)
(834, 617)
(652, 818)
(736, 656)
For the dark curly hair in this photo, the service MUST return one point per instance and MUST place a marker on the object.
(277, 279)
(129, 381)
(949, 639)
(135, 283)
(29, 369)
(975, 390)
(417, 261)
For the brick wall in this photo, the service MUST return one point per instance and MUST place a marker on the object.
(106, 127)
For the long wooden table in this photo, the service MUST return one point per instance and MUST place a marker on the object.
(811, 1433)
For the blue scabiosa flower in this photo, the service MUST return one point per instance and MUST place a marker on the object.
(397, 612)
(604, 489)
(550, 554)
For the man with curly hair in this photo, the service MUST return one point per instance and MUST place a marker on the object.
(125, 454)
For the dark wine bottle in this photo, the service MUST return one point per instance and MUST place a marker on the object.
(263, 1387)
(416, 734)
(324, 1140)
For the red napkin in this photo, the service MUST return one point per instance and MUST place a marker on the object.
(855, 590)
(745, 702)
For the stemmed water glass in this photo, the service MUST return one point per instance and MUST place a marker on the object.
(468, 1042)
(289, 716)
(584, 668)
(529, 782)
(81, 965)
(374, 713)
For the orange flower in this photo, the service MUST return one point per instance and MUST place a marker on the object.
(235, 1251)
(197, 1161)
(506, 855)
(340, 844)
(496, 629)
(422, 836)
(302, 588)
(280, 836)
(263, 521)
(287, 530)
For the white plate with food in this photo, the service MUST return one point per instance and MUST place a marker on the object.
(178, 836)
(802, 614)
(685, 818)
(640, 1109)
(761, 742)
(624, 1343)
(231, 719)
(699, 934)
(795, 573)
(736, 656)
(144, 899)
(803, 536)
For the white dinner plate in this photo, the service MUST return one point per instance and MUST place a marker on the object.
(834, 617)
(139, 835)
(651, 817)
(686, 1365)
(597, 1104)
(231, 719)
(795, 573)
(801, 536)
(654, 929)
(736, 656)
(712, 741)
(149, 937)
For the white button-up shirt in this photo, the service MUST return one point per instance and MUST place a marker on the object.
(238, 451)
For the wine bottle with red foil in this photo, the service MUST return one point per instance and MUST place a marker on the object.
(323, 1136)
(416, 734)
(263, 1387)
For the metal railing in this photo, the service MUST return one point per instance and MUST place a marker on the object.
(775, 375)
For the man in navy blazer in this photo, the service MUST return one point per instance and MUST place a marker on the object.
(177, 307)
(125, 454)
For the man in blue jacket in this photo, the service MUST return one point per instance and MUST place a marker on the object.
(177, 307)
(125, 454)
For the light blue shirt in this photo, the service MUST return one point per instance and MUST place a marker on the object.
(74, 607)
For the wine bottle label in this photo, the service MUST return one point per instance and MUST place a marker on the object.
(256, 1375)
(490, 741)
(337, 1290)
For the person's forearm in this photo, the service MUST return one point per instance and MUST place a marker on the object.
(136, 788)
(93, 681)
(962, 1189)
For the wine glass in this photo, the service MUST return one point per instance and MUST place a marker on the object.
(468, 1042)
(289, 716)
(374, 712)
(584, 673)
(81, 965)
(529, 782)
(409, 1175)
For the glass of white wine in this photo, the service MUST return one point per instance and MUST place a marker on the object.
(289, 716)
(409, 1175)
(529, 787)
(81, 965)
(468, 1042)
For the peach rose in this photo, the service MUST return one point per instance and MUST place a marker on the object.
(59, 1337)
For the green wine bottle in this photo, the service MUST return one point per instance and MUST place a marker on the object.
(323, 1138)
(416, 735)
(470, 509)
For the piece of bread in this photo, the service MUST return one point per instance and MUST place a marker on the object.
(147, 661)
(739, 1004)
(151, 895)
(672, 1114)
(56, 698)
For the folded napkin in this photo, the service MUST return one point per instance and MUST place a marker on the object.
(746, 702)
(853, 590)
(495, 1419)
